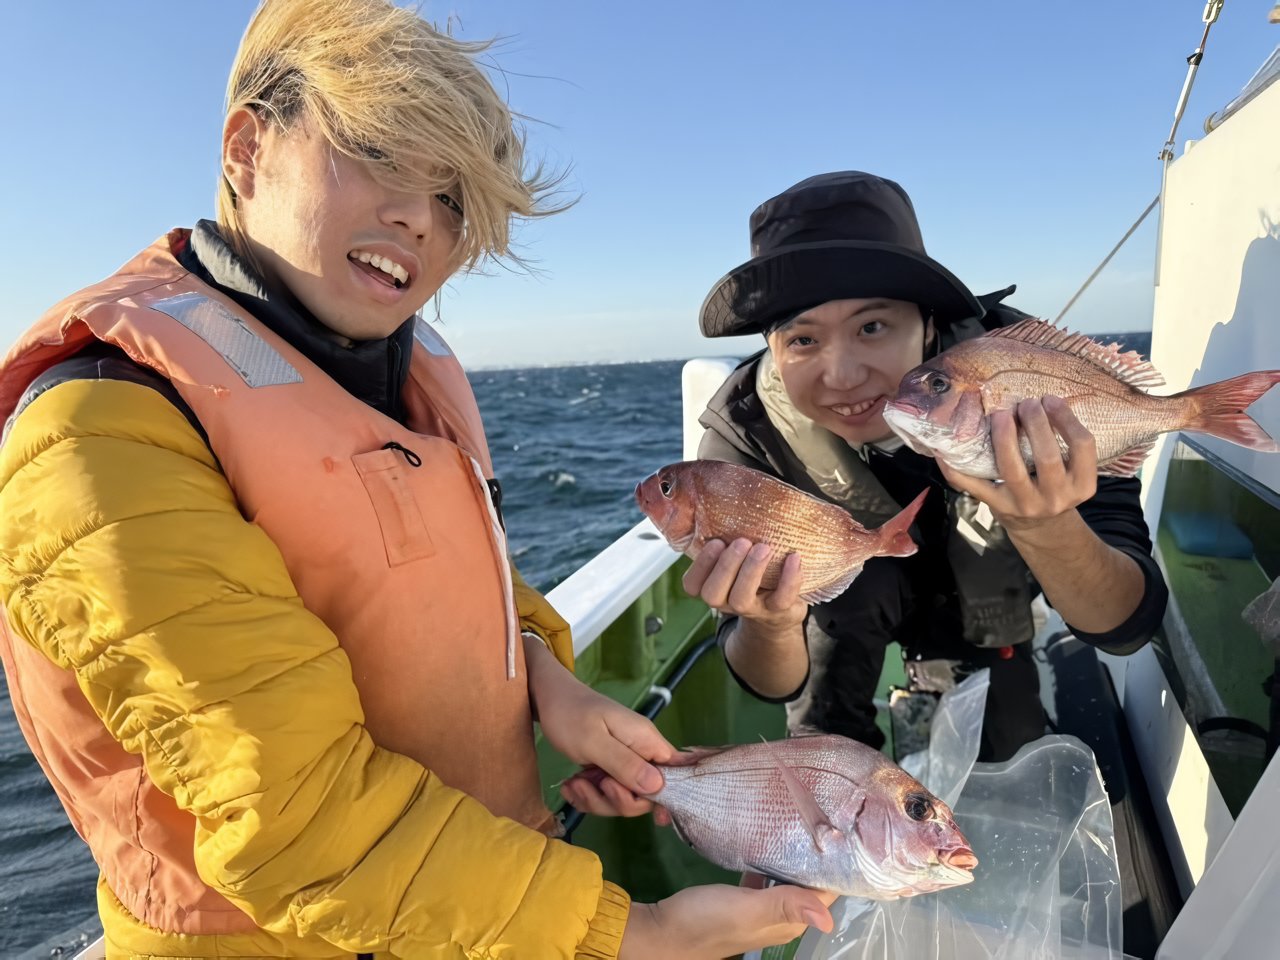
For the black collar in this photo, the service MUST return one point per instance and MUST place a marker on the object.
(373, 371)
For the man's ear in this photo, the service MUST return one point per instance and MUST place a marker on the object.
(242, 136)
(930, 338)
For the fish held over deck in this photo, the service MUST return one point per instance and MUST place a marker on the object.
(822, 811)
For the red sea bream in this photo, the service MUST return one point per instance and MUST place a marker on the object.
(943, 406)
(700, 500)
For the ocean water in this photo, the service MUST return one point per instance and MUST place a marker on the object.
(569, 444)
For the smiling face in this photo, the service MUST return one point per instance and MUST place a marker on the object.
(840, 361)
(360, 256)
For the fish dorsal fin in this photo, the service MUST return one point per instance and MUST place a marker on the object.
(1128, 462)
(1128, 367)
(819, 825)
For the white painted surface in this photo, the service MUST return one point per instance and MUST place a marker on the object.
(1233, 912)
(699, 381)
(1194, 819)
(596, 593)
(1217, 305)
(1217, 315)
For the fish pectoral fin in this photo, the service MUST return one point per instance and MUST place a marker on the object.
(815, 819)
(684, 837)
(833, 589)
(773, 874)
(1129, 462)
(827, 836)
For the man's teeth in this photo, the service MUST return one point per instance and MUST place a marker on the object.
(385, 264)
(853, 410)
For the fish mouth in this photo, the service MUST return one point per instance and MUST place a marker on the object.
(917, 431)
(961, 858)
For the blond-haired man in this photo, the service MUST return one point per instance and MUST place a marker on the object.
(261, 630)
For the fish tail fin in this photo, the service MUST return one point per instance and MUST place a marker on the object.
(1219, 410)
(895, 533)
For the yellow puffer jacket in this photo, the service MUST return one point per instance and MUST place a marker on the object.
(110, 502)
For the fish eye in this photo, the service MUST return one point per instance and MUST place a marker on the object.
(665, 487)
(937, 383)
(918, 808)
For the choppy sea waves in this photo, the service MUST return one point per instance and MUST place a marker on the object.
(569, 445)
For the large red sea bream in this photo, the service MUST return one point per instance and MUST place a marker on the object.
(943, 406)
(822, 811)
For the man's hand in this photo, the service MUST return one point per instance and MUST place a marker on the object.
(712, 922)
(1095, 587)
(1024, 502)
(727, 578)
(766, 647)
(591, 729)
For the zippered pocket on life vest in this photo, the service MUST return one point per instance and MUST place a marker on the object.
(384, 474)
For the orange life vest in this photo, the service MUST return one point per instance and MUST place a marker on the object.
(388, 532)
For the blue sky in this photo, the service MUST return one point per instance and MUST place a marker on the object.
(1026, 133)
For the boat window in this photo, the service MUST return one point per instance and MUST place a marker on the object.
(1219, 541)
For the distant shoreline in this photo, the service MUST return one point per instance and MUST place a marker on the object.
(1123, 338)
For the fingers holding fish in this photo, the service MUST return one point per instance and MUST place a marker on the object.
(696, 576)
(1065, 470)
(1042, 477)
(730, 579)
(781, 605)
(595, 730)
(714, 921)
(623, 748)
(786, 596)
(1082, 446)
(1047, 453)
(724, 574)
(608, 799)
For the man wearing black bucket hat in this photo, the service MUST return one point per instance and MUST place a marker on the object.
(848, 300)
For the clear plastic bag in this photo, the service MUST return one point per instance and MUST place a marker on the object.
(1048, 883)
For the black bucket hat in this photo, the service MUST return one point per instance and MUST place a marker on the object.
(836, 236)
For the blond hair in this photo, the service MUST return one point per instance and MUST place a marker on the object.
(384, 86)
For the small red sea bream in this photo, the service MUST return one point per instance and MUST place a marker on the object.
(943, 407)
(821, 811)
(700, 500)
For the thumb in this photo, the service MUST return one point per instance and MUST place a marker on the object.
(799, 905)
(633, 740)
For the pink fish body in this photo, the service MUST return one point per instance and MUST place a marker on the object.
(700, 500)
(821, 811)
(943, 407)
